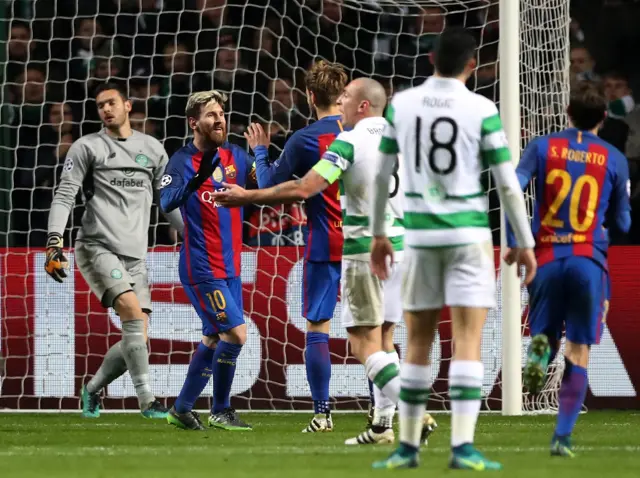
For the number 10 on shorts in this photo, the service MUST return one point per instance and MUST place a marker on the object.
(217, 300)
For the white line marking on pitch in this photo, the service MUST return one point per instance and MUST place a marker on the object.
(147, 450)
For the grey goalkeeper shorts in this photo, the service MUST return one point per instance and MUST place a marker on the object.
(110, 275)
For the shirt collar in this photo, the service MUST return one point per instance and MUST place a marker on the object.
(370, 121)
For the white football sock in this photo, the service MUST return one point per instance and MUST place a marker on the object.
(465, 392)
(384, 373)
(414, 393)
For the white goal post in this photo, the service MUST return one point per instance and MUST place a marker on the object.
(511, 305)
(534, 80)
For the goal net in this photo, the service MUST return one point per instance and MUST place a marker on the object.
(54, 336)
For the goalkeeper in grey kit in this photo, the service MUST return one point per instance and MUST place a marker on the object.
(118, 169)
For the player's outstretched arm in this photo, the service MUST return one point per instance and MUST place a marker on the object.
(337, 158)
(282, 169)
(74, 170)
(292, 191)
(175, 188)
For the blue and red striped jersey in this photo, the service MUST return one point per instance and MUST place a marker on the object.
(212, 238)
(581, 187)
(324, 215)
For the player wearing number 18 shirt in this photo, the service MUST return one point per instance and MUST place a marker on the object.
(446, 136)
(580, 181)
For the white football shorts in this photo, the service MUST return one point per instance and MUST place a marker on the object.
(366, 300)
(457, 276)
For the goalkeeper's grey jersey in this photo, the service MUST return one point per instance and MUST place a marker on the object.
(118, 177)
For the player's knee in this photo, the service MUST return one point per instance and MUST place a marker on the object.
(355, 346)
(237, 335)
(387, 336)
(364, 341)
(467, 344)
(577, 354)
(422, 333)
(416, 341)
(210, 340)
(127, 306)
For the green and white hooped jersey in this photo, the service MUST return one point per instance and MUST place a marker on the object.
(446, 136)
(351, 159)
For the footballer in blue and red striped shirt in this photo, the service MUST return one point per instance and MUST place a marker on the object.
(582, 187)
(325, 83)
(210, 255)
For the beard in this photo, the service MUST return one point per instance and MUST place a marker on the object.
(213, 138)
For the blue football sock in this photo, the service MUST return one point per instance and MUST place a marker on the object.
(318, 363)
(224, 369)
(572, 393)
(197, 378)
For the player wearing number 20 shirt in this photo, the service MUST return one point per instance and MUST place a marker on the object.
(581, 183)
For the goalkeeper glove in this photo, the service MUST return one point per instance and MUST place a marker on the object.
(208, 164)
(56, 264)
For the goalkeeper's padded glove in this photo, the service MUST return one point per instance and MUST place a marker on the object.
(208, 165)
(56, 264)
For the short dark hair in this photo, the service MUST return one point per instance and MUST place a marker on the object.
(587, 105)
(580, 46)
(35, 66)
(615, 75)
(453, 50)
(112, 85)
(20, 24)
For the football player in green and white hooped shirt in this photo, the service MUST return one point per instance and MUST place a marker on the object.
(370, 309)
(446, 135)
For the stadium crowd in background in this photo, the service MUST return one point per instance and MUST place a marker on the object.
(57, 52)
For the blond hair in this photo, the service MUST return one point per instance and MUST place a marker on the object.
(202, 98)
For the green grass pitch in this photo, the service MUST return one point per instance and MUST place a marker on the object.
(115, 446)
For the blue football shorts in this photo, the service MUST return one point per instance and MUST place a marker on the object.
(572, 292)
(218, 303)
(320, 289)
